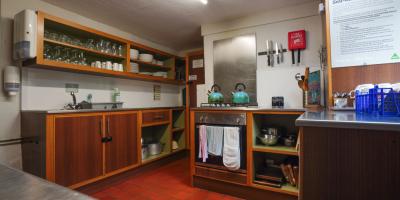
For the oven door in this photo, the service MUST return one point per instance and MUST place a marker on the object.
(216, 161)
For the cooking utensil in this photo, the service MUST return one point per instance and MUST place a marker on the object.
(277, 53)
(269, 140)
(239, 96)
(306, 75)
(145, 152)
(290, 141)
(268, 52)
(155, 148)
(281, 52)
(215, 95)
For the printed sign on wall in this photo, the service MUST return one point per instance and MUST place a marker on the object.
(364, 32)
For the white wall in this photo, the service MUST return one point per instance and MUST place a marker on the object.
(43, 89)
(273, 25)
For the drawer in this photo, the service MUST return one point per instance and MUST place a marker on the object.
(150, 117)
(222, 175)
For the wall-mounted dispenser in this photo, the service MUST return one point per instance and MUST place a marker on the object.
(25, 29)
(12, 82)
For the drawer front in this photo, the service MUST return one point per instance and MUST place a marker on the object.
(149, 117)
(222, 175)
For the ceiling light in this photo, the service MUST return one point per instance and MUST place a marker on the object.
(204, 2)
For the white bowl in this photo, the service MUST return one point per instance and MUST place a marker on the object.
(134, 54)
(146, 57)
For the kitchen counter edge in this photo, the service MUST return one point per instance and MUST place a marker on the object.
(251, 109)
(16, 184)
(97, 110)
(348, 120)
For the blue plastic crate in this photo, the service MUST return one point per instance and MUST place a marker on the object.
(380, 101)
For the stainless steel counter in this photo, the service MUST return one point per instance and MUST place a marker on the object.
(348, 119)
(16, 184)
(62, 111)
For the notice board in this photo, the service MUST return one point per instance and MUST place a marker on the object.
(364, 32)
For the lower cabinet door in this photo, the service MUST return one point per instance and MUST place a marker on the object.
(78, 149)
(122, 141)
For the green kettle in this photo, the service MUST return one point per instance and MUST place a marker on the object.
(215, 95)
(239, 96)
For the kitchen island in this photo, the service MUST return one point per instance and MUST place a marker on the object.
(345, 155)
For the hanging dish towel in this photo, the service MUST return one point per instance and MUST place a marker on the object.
(215, 137)
(203, 152)
(231, 152)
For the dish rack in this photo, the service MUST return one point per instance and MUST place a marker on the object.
(380, 101)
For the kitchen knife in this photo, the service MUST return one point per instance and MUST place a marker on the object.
(277, 53)
(268, 53)
(281, 52)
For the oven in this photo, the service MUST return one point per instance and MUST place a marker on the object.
(224, 120)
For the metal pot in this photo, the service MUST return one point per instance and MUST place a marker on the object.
(269, 140)
(269, 136)
(145, 152)
(239, 96)
(155, 148)
(215, 95)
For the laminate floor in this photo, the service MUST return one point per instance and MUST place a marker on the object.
(169, 182)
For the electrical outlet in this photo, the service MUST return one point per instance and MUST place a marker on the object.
(71, 87)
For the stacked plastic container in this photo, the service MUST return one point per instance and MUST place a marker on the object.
(381, 99)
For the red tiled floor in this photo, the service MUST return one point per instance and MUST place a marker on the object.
(169, 182)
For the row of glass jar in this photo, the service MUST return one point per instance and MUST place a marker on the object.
(101, 45)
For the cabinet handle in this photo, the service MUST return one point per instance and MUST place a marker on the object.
(101, 127)
(108, 125)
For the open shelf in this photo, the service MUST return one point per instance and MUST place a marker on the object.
(151, 65)
(284, 150)
(61, 66)
(155, 157)
(267, 165)
(177, 129)
(84, 49)
(285, 189)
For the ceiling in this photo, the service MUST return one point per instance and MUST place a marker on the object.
(172, 23)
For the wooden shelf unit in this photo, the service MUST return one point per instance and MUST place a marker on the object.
(49, 22)
(284, 150)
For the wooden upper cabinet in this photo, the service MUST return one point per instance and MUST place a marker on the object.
(57, 37)
(78, 148)
(121, 130)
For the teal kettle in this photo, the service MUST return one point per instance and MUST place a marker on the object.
(239, 96)
(215, 95)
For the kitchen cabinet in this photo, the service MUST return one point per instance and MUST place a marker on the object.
(78, 148)
(121, 136)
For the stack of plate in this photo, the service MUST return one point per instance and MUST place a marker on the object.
(134, 67)
(161, 74)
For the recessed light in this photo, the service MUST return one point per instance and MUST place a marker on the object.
(204, 2)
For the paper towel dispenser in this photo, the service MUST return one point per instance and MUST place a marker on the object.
(25, 30)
